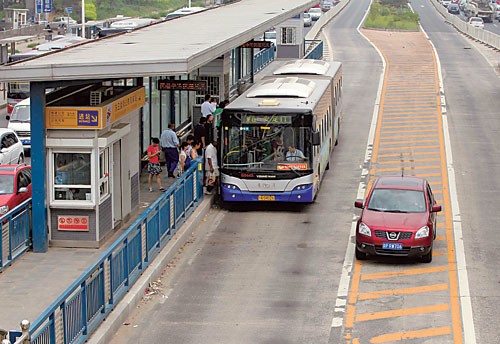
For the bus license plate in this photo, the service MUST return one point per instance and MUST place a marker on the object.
(26, 142)
(392, 246)
(266, 198)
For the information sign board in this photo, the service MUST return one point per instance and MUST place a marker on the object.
(47, 6)
(73, 223)
(182, 85)
(257, 44)
(69, 10)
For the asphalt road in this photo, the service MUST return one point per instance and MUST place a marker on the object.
(492, 27)
(269, 273)
(472, 94)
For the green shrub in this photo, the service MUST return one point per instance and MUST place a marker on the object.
(392, 15)
(32, 45)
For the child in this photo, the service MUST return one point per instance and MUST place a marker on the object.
(154, 168)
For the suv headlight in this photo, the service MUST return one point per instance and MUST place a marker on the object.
(364, 229)
(4, 209)
(422, 233)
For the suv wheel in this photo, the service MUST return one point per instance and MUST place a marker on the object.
(427, 258)
(360, 255)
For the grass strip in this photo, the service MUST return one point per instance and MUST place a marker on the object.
(391, 15)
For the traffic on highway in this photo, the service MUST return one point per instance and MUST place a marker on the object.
(354, 196)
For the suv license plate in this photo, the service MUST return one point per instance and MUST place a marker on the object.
(392, 246)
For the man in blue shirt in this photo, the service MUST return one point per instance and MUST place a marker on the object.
(170, 143)
(208, 107)
(294, 154)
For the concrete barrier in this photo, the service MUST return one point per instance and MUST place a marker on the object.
(325, 19)
(481, 35)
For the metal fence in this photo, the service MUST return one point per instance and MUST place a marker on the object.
(263, 58)
(482, 35)
(313, 49)
(84, 305)
(15, 238)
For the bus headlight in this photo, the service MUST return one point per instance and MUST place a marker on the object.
(301, 187)
(230, 187)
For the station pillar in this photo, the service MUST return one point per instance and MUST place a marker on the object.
(38, 167)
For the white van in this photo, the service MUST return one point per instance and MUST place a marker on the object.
(19, 122)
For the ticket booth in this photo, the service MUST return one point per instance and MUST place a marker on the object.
(93, 157)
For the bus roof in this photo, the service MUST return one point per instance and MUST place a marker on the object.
(292, 92)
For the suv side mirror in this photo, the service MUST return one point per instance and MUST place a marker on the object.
(358, 204)
(7, 118)
(436, 208)
(316, 138)
(23, 190)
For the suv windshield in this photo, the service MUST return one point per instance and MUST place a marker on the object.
(274, 145)
(6, 184)
(21, 113)
(397, 201)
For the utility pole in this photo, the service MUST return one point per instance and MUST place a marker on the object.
(83, 19)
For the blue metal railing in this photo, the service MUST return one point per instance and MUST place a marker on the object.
(84, 305)
(15, 233)
(314, 49)
(263, 58)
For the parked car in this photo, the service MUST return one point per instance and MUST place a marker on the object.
(497, 14)
(20, 122)
(60, 22)
(453, 9)
(307, 19)
(15, 186)
(462, 4)
(446, 3)
(398, 219)
(11, 149)
(315, 13)
(476, 22)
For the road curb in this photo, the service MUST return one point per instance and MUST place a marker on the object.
(127, 305)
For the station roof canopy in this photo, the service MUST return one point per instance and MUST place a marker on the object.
(172, 47)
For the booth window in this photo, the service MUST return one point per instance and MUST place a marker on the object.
(288, 36)
(103, 173)
(72, 176)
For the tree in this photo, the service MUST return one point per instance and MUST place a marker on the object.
(90, 11)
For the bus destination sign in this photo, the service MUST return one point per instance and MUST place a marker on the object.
(182, 85)
(256, 44)
(267, 120)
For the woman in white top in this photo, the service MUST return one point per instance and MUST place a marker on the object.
(184, 160)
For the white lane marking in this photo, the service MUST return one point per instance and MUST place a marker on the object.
(345, 278)
(463, 279)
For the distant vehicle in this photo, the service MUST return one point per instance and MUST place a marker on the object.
(315, 13)
(462, 4)
(16, 91)
(60, 42)
(20, 122)
(270, 36)
(481, 8)
(325, 5)
(15, 186)
(61, 22)
(307, 19)
(11, 149)
(446, 3)
(183, 11)
(133, 23)
(398, 219)
(497, 14)
(476, 22)
(453, 9)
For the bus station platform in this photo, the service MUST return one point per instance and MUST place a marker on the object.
(35, 280)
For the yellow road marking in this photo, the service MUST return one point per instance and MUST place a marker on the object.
(399, 336)
(398, 115)
(406, 131)
(402, 312)
(405, 136)
(412, 147)
(408, 126)
(436, 253)
(406, 272)
(426, 175)
(353, 293)
(405, 154)
(440, 237)
(427, 120)
(401, 142)
(405, 168)
(434, 183)
(407, 161)
(440, 224)
(402, 291)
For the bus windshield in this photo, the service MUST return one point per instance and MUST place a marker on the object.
(267, 147)
(21, 113)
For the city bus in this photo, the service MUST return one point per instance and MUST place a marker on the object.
(276, 139)
(16, 91)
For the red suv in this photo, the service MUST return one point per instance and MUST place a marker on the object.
(398, 219)
(15, 186)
